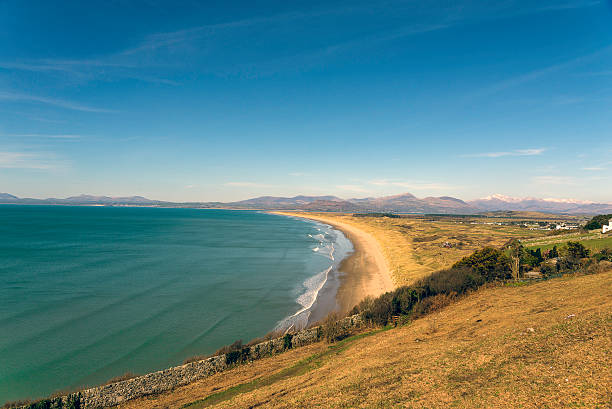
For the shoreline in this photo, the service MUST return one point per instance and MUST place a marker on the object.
(364, 272)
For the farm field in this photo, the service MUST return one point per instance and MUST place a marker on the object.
(594, 241)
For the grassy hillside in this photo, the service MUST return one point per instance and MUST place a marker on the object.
(545, 345)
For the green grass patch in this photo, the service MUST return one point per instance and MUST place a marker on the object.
(305, 365)
(591, 242)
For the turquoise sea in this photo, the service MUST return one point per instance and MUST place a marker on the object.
(89, 293)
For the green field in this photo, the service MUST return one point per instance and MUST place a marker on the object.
(592, 241)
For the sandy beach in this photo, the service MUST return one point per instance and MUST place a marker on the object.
(365, 272)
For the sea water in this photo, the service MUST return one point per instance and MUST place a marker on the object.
(89, 293)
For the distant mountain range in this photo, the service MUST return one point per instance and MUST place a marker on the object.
(571, 206)
(404, 203)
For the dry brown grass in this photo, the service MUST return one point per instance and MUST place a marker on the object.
(545, 345)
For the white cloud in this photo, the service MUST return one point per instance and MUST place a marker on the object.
(516, 152)
(536, 74)
(25, 160)
(353, 188)
(247, 184)
(594, 168)
(37, 135)
(50, 101)
(413, 185)
(555, 180)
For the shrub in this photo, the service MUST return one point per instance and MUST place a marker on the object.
(124, 377)
(604, 255)
(195, 358)
(438, 289)
(332, 328)
(236, 346)
(433, 304)
(237, 356)
(600, 267)
(457, 280)
(575, 250)
(234, 353)
(73, 401)
(489, 262)
(287, 338)
(548, 269)
(380, 310)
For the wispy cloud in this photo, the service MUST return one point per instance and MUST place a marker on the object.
(517, 152)
(167, 49)
(601, 166)
(353, 188)
(9, 96)
(555, 180)
(29, 160)
(413, 185)
(44, 136)
(248, 184)
(567, 5)
(539, 73)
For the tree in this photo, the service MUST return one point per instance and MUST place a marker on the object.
(576, 250)
(516, 250)
(553, 253)
(598, 221)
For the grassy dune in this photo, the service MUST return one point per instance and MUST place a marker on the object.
(546, 345)
(413, 246)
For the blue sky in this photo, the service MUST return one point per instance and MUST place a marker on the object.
(198, 101)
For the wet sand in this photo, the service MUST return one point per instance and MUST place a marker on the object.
(363, 273)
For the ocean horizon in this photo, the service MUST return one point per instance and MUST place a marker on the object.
(89, 293)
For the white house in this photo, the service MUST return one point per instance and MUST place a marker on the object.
(607, 227)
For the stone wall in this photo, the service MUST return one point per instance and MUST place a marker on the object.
(167, 379)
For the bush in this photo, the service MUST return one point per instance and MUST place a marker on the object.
(457, 280)
(124, 377)
(73, 401)
(489, 262)
(234, 353)
(195, 358)
(603, 255)
(575, 250)
(548, 269)
(287, 338)
(332, 328)
(439, 289)
(432, 304)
